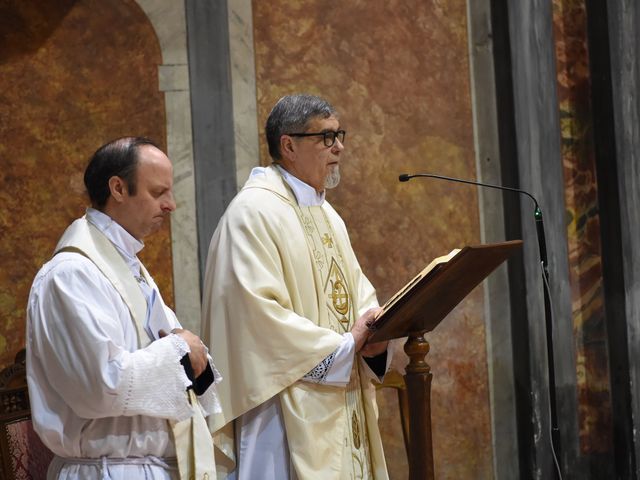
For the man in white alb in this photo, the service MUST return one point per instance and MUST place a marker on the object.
(118, 390)
(289, 305)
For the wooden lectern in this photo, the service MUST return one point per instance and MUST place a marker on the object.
(419, 308)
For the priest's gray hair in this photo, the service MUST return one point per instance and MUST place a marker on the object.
(291, 114)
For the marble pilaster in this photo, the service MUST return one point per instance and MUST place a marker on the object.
(168, 20)
(243, 80)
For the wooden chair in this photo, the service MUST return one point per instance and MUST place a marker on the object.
(22, 455)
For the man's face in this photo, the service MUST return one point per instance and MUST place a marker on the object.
(311, 161)
(144, 212)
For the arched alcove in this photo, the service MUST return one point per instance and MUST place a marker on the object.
(69, 82)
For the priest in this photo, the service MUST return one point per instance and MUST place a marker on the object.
(286, 308)
(118, 389)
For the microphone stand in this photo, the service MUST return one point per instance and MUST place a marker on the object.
(548, 314)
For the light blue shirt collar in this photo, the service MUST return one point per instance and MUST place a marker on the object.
(127, 245)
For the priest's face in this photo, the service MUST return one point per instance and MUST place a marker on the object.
(310, 160)
(144, 212)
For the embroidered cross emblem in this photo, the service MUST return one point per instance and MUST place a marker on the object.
(340, 297)
(327, 240)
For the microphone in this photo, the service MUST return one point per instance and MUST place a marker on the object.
(548, 314)
(537, 214)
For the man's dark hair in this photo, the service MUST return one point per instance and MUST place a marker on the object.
(291, 114)
(118, 158)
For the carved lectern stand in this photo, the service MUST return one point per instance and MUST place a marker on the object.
(419, 308)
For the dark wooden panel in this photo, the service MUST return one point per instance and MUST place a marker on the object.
(539, 170)
(614, 38)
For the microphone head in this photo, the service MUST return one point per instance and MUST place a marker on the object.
(405, 177)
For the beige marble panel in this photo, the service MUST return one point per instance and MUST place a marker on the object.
(184, 237)
(243, 85)
(168, 20)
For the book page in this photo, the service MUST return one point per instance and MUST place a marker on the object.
(434, 263)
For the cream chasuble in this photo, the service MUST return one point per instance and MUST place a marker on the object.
(282, 285)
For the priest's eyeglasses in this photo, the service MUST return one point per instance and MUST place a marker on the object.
(329, 137)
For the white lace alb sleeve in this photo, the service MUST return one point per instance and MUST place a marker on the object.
(335, 369)
(82, 331)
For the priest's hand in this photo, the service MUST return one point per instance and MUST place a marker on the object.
(360, 329)
(374, 349)
(198, 353)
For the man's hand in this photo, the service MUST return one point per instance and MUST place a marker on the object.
(198, 354)
(360, 329)
(374, 349)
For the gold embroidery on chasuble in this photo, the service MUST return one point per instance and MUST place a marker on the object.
(355, 427)
(329, 263)
(335, 289)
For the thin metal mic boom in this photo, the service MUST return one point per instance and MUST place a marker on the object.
(542, 244)
(405, 177)
(548, 314)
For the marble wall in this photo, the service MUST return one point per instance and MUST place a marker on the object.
(583, 227)
(399, 75)
(69, 82)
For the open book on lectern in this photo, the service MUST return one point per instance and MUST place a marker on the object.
(427, 298)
